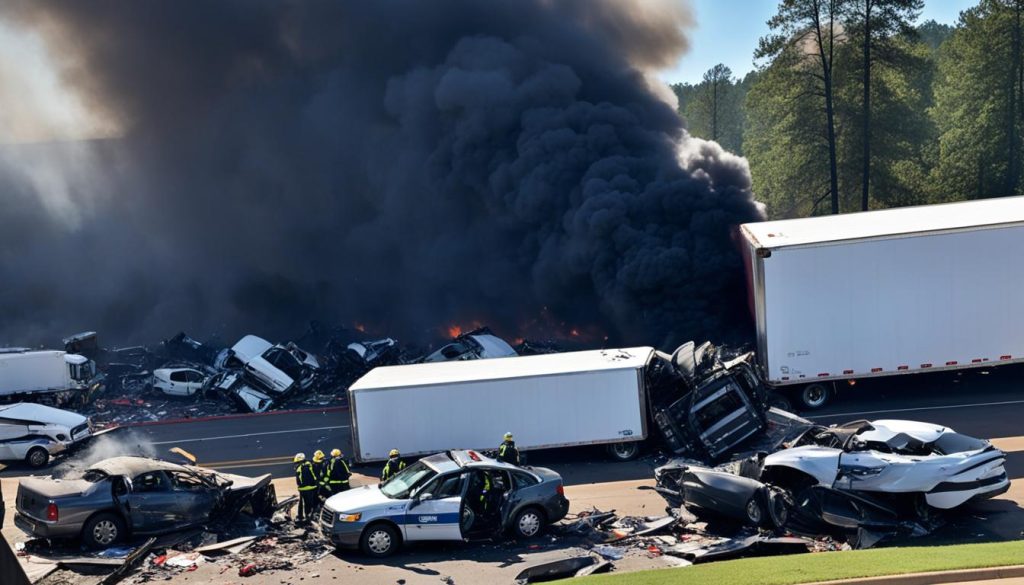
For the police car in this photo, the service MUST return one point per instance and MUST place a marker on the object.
(455, 495)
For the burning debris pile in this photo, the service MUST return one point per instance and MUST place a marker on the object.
(181, 377)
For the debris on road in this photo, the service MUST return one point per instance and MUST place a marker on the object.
(554, 570)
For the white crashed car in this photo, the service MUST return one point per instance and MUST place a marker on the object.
(899, 457)
(885, 475)
(178, 381)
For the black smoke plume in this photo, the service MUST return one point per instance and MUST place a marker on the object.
(403, 164)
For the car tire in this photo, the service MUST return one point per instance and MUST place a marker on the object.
(622, 452)
(815, 396)
(755, 511)
(379, 540)
(103, 530)
(778, 509)
(528, 522)
(37, 457)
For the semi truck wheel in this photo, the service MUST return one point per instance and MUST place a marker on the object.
(624, 451)
(815, 396)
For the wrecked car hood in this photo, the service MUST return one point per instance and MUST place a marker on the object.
(239, 483)
(822, 463)
(360, 499)
(887, 430)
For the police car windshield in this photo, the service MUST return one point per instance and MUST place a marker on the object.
(399, 486)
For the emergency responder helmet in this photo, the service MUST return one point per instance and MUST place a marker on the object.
(299, 457)
(393, 453)
(508, 436)
(335, 452)
(318, 456)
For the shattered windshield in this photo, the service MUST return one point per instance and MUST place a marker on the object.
(94, 476)
(399, 486)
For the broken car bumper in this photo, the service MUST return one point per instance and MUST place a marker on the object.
(341, 534)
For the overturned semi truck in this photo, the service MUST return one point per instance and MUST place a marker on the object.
(619, 398)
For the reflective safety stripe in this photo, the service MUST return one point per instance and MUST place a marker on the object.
(307, 488)
(339, 481)
(425, 518)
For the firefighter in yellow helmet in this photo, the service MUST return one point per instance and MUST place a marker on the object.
(393, 466)
(320, 468)
(308, 484)
(507, 451)
(338, 473)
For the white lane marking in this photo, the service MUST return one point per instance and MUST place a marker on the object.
(919, 408)
(249, 435)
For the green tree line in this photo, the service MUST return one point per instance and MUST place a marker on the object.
(854, 107)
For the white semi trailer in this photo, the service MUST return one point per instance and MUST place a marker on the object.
(32, 375)
(554, 400)
(885, 293)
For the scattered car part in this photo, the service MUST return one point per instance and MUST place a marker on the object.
(554, 570)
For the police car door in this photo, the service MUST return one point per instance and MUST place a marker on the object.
(433, 514)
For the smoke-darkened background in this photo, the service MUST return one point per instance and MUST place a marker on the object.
(401, 164)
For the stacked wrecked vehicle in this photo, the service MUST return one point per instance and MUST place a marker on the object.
(864, 480)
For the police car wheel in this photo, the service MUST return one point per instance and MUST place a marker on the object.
(528, 523)
(379, 540)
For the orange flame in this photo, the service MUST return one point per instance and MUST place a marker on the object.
(454, 330)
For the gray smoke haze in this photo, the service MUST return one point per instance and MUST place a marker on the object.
(401, 164)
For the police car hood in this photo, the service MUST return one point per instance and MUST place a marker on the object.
(359, 499)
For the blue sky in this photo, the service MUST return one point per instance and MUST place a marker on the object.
(726, 31)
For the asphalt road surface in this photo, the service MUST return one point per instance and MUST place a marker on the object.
(986, 404)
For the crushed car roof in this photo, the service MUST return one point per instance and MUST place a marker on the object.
(132, 466)
(433, 373)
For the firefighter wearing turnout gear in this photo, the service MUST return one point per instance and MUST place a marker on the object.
(507, 451)
(393, 466)
(338, 473)
(308, 484)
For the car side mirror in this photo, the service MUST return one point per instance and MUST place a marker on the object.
(420, 498)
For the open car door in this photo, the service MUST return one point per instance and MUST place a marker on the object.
(435, 511)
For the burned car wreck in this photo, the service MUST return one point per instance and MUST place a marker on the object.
(866, 479)
(139, 496)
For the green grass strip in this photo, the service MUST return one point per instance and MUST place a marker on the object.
(827, 566)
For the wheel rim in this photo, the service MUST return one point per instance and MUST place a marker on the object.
(379, 541)
(624, 450)
(104, 532)
(754, 511)
(38, 458)
(815, 395)
(529, 524)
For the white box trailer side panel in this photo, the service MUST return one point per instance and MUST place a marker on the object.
(33, 371)
(557, 410)
(892, 305)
